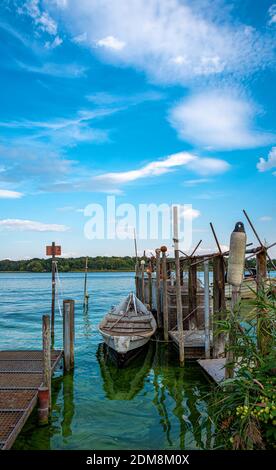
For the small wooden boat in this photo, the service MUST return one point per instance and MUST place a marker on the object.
(127, 328)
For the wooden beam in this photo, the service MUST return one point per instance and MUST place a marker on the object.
(158, 289)
(178, 287)
(192, 286)
(219, 305)
(165, 294)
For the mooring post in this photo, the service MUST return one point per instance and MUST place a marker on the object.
(149, 287)
(261, 268)
(157, 291)
(85, 293)
(68, 333)
(43, 406)
(137, 279)
(53, 291)
(206, 309)
(178, 287)
(165, 294)
(219, 305)
(143, 281)
(47, 370)
(192, 284)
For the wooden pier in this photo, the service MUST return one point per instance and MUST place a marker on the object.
(214, 368)
(21, 375)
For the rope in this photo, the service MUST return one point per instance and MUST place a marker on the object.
(58, 289)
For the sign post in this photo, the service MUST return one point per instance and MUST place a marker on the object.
(53, 250)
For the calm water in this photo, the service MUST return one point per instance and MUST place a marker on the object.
(151, 404)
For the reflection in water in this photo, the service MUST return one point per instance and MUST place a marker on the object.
(68, 404)
(124, 383)
(87, 326)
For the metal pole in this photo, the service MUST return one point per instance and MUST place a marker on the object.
(207, 309)
(53, 292)
(165, 294)
(178, 287)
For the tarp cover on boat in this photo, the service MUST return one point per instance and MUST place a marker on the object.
(132, 304)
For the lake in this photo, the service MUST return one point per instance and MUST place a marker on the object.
(151, 404)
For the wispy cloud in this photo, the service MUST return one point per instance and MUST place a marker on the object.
(272, 14)
(217, 120)
(7, 194)
(31, 226)
(202, 166)
(108, 99)
(189, 213)
(196, 182)
(265, 218)
(270, 163)
(173, 41)
(110, 42)
(41, 18)
(54, 70)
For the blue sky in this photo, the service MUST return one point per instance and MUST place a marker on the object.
(153, 101)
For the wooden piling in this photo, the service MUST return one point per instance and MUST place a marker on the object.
(46, 340)
(68, 333)
(219, 305)
(192, 286)
(149, 287)
(143, 281)
(261, 267)
(43, 406)
(206, 309)
(158, 289)
(165, 294)
(230, 357)
(85, 293)
(178, 287)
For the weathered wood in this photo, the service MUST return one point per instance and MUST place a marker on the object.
(230, 356)
(219, 306)
(137, 279)
(53, 292)
(43, 406)
(192, 287)
(150, 288)
(261, 268)
(178, 287)
(206, 309)
(68, 334)
(158, 289)
(46, 341)
(165, 294)
(143, 281)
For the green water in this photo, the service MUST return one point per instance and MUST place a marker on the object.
(151, 404)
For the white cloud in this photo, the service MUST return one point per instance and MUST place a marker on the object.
(217, 120)
(270, 163)
(55, 43)
(202, 166)
(111, 43)
(107, 99)
(41, 18)
(265, 218)
(189, 213)
(54, 70)
(7, 194)
(196, 181)
(272, 14)
(30, 226)
(172, 41)
(80, 38)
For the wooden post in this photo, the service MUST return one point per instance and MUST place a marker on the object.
(137, 279)
(47, 370)
(53, 291)
(219, 306)
(264, 333)
(206, 309)
(68, 333)
(43, 406)
(192, 283)
(178, 287)
(143, 281)
(165, 294)
(229, 370)
(158, 293)
(85, 294)
(149, 287)
(261, 268)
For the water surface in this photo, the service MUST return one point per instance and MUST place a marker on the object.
(151, 404)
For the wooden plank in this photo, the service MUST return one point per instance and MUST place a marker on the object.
(219, 305)
(215, 368)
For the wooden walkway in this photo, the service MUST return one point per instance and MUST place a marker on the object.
(20, 377)
(215, 368)
(193, 343)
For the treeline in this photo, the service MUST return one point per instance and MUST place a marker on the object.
(98, 263)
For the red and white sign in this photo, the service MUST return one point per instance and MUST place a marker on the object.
(53, 250)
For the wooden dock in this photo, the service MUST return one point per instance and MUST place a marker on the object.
(215, 368)
(21, 374)
(194, 345)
